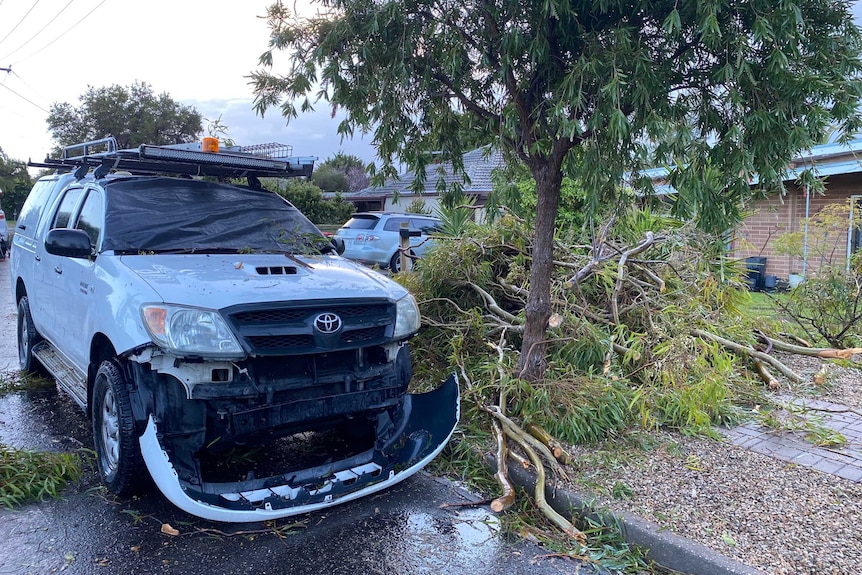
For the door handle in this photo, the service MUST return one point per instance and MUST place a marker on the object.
(58, 270)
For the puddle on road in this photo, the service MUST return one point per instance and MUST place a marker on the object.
(425, 541)
(43, 420)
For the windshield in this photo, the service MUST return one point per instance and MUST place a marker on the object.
(157, 214)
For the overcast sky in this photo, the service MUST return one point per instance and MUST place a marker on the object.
(198, 51)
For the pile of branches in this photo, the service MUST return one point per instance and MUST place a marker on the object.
(648, 329)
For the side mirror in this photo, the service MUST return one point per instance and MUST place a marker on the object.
(68, 243)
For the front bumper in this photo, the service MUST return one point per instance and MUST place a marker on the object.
(431, 419)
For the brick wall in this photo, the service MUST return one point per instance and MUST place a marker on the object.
(777, 215)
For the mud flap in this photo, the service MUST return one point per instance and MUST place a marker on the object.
(430, 420)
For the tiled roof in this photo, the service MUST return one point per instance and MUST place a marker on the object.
(478, 165)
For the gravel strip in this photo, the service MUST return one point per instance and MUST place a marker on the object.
(778, 517)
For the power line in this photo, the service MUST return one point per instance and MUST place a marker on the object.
(42, 29)
(19, 21)
(64, 33)
(25, 99)
(23, 81)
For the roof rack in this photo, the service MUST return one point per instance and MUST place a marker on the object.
(252, 162)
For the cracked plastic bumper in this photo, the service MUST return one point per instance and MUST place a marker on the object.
(431, 421)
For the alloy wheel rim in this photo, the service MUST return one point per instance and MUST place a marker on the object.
(23, 341)
(110, 432)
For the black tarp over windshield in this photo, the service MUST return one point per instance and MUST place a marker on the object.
(162, 214)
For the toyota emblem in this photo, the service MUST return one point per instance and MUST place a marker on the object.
(327, 323)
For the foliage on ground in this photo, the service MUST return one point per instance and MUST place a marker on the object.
(622, 352)
(27, 476)
(16, 381)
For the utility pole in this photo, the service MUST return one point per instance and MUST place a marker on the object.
(7, 70)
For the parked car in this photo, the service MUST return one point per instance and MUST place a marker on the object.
(374, 238)
(189, 318)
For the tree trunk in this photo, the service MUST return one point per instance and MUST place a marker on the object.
(548, 176)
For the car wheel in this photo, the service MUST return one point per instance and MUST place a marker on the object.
(395, 262)
(28, 337)
(118, 452)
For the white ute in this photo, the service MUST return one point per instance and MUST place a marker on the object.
(188, 316)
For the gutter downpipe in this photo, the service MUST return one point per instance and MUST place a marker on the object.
(805, 235)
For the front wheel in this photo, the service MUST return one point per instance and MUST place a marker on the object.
(117, 449)
(395, 262)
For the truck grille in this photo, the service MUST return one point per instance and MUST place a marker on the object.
(288, 329)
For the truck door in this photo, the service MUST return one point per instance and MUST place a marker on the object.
(49, 303)
(82, 302)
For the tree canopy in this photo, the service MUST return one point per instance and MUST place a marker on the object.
(351, 167)
(15, 182)
(134, 115)
(720, 91)
(308, 199)
(329, 179)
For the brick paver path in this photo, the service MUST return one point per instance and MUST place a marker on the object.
(791, 446)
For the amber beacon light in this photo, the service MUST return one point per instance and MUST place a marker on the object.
(209, 145)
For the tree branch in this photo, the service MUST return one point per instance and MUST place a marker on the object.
(751, 352)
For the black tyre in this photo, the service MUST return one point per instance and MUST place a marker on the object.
(28, 337)
(118, 452)
(395, 262)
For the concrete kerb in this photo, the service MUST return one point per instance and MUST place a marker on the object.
(663, 547)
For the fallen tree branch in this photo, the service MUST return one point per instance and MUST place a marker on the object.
(622, 350)
(823, 352)
(767, 377)
(751, 352)
(550, 442)
(797, 339)
(527, 442)
(598, 256)
(506, 500)
(648, 240)
(654, 277)
(514, 432)
(542, 503)
(520, 459)
(492, 305)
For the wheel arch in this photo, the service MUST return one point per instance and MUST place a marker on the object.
(101, 349)
(20, 290)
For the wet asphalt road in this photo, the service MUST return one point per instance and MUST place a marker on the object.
(400, 531)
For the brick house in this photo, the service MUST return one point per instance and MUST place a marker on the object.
(830, 236)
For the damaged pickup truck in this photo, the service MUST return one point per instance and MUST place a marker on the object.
(189, 317)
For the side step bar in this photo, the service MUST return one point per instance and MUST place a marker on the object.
(67, 375)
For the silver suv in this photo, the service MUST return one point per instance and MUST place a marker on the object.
(374, 238)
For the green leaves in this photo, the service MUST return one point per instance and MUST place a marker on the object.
(134, 115)
(27, 476)
(721, 90)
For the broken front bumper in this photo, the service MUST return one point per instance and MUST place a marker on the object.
(431, 419)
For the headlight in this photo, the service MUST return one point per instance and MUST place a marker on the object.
(407, 317)
(190, 331)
